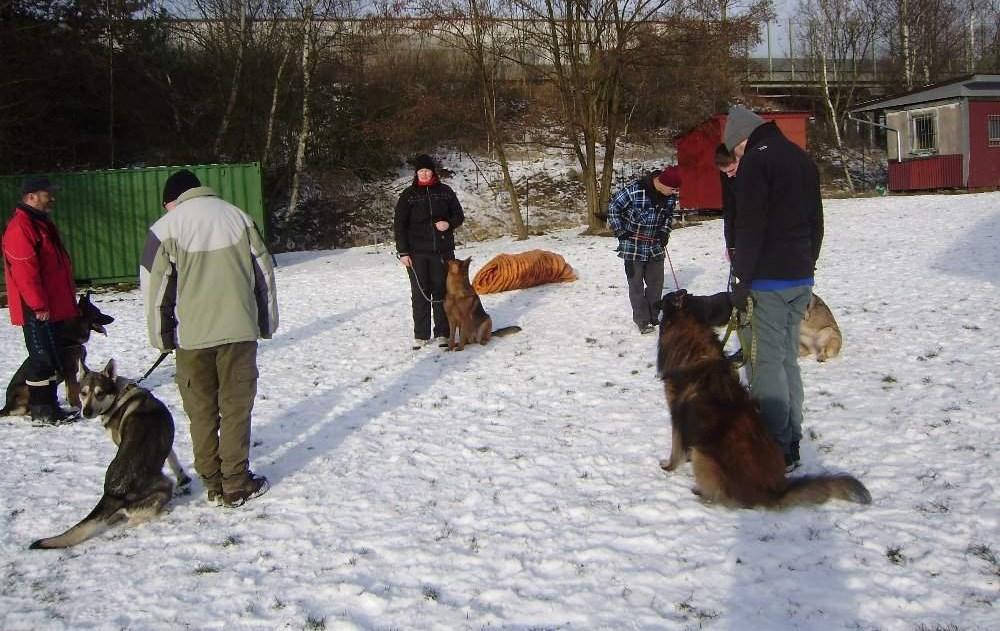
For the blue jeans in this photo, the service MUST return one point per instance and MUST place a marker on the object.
(775, 380)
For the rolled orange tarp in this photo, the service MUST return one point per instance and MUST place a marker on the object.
(517, 271)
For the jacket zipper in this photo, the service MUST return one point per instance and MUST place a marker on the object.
(430, 214)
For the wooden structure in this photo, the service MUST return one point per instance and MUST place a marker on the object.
(701, 189)
(945, 135)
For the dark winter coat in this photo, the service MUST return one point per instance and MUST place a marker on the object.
(417, 210)
(37, 268)
(778, 223)
(728, 185)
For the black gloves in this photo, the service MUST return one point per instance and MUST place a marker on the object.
(740, 294)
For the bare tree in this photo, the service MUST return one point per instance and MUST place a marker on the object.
(478, 28)
(227, 31)
(322, 25)
(931, 40)
(839, 35)
(585, 47)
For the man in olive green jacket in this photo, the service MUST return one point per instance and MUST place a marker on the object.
(208, 284)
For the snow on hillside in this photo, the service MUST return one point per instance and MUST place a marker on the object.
(515, 486)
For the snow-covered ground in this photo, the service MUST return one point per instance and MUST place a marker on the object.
(515, 486)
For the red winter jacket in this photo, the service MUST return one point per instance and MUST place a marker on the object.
(37, 268)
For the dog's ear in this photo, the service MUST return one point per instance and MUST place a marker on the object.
(109, 369)
(81, 370)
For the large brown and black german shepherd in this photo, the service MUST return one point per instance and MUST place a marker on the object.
(736, 463)
(73, 337)
(467, 319)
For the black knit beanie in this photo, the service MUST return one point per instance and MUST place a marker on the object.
(424, 161)
(178, 183)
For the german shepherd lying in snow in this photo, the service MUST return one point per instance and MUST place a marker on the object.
(74, 335)
(134, 485)
(736, 463)
(467, 320)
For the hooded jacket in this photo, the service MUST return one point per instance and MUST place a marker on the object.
(37, 268)
(778, 223)
(207, 276)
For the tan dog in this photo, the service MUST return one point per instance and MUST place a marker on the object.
(467, 319)
(714, 420)
(819, 334)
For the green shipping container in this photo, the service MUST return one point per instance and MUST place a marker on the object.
(103, 216)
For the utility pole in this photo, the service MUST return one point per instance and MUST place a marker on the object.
(791, 55)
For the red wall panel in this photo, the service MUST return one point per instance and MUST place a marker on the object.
(926, 173)
(984, 160)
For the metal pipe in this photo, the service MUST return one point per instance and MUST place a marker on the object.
(899, 144)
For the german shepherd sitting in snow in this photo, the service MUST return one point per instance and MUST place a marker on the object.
(736, 463)
(74, 335)
(467, 320)
(134, 485)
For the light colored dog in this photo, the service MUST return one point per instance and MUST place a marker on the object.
(134, 485)
(819, 334)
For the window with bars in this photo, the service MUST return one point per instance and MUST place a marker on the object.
(994, 130)
(923, 133)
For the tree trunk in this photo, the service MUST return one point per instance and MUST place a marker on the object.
(300, 153)
(234, 89)
(904, 40)
(272, 114)
(833, 117)
(520, 230)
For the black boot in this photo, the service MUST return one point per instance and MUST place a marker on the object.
(44, 405)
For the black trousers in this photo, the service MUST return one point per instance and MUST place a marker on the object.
(43, 352)
(427, 295)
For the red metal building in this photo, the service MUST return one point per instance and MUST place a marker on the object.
(945, 135)
(696, 156)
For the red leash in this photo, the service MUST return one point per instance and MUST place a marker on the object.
(667, 252)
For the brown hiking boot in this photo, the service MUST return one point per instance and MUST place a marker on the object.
(250, 487)
(213, 488)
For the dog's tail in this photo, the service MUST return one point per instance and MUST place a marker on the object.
(809, 490)
(107, 513)
(506, 330)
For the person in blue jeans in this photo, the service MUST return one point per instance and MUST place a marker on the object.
(640, 215)
(777, 236)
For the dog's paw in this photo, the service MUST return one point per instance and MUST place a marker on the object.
(667, 465)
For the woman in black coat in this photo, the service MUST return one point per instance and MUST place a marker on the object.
(426, 216)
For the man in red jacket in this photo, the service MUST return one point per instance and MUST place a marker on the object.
(40, 292)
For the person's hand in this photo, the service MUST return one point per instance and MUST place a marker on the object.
(740, 295)
(42, 316)
(442, 225)
(406, 260)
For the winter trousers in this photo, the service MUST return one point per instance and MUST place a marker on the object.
(773, 361)
(645, 287)
(217, 387)
(43, 352)
(427, 278)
